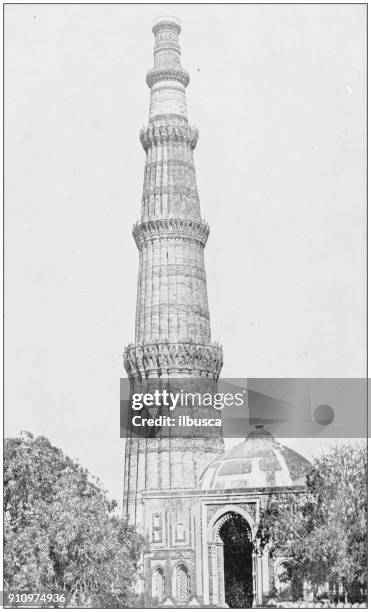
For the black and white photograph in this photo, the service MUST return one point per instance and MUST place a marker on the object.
(185, 305)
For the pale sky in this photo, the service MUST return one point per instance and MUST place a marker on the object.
(278, 93)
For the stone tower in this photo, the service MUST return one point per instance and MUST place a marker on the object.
(172, 326)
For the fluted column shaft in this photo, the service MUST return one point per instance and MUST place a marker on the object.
(169, 186)
(172, 294)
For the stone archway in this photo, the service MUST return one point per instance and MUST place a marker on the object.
(235, 534)
(232, 560)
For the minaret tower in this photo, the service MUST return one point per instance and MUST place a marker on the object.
(172, 326)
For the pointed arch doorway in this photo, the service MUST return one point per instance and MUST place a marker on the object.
(232, 561)
(235, 534)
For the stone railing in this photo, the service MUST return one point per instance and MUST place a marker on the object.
(167, 74)
(170, 228)
(174, 131)
(172, 359)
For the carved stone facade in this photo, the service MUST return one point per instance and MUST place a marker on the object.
(171, 484)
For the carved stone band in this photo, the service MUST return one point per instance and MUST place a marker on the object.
(167, 74)
(168, 358)
(167, 45)
(197, 231)
(166, 132)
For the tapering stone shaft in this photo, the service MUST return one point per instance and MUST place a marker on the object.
(172, 303)
(172, 324)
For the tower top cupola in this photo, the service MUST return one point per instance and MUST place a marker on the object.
(166, 23)
(167, 79)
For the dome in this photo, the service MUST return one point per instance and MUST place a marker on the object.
(259, 461)
(166, 21)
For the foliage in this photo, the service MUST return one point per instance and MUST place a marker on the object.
(61, 532)
(324, 531)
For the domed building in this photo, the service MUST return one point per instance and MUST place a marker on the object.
(259, 461)
(240, 482)
(204, 547)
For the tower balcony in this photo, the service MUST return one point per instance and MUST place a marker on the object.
(196, 231)
(173, 360)
(172, 130)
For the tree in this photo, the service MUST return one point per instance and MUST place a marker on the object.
(61, 531)
(324, 530)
